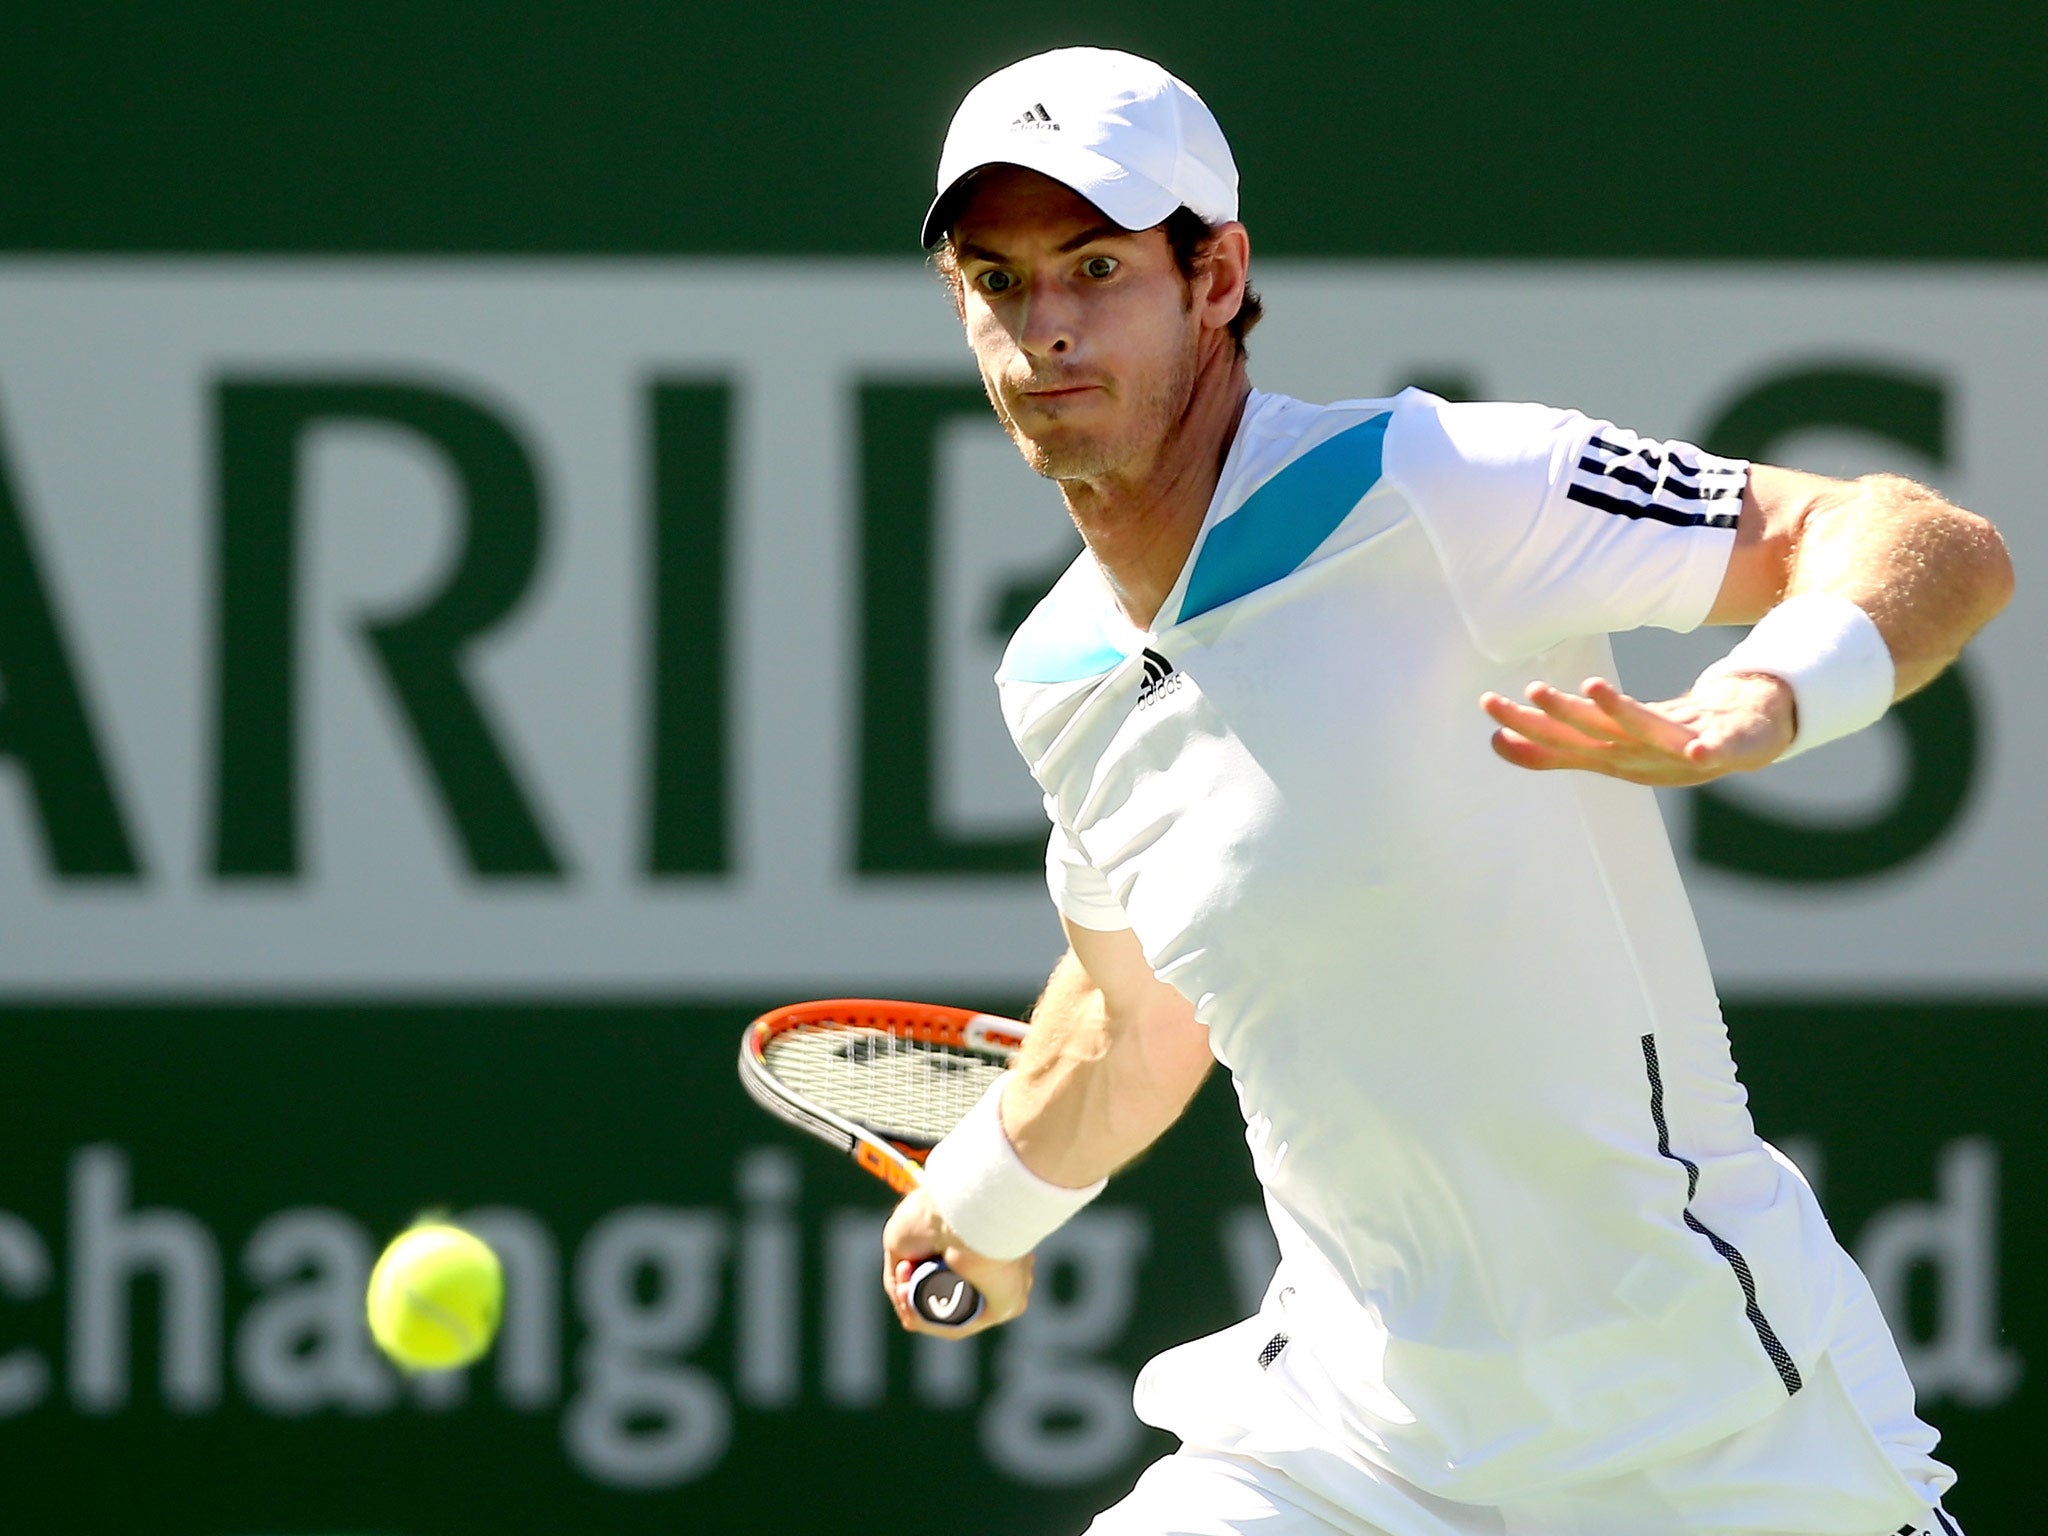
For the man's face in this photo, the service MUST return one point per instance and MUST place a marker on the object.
(1084, 331)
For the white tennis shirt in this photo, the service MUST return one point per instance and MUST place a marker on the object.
(1528, 1232)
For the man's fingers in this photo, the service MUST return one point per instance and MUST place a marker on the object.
(1639, 720)
(1634, 743)
(1686, 740)
(1582, 714)
(1700, 744)
(896, 1286)
(1524, 753)
(1597, 724)
(916, 1233)
(1541, 727)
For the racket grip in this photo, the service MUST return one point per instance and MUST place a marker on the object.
(939, 1296)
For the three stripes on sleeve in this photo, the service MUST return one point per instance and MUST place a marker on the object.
(1672, 482)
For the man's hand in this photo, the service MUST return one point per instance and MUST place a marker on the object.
(916, 1232)
(1728, 724)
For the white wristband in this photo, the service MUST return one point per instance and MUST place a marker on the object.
(999, 1207)
(1832, 656)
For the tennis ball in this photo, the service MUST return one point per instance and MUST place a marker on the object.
(435, 1297)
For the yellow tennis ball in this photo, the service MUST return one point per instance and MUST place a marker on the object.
(435, 1297)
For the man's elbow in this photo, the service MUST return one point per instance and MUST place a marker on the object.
(1998, 580)
(1981, 549)
(1973, 550)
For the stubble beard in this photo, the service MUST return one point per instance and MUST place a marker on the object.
(1161, 405)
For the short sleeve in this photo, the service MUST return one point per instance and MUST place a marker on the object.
(1079, 889)
(1551, 525)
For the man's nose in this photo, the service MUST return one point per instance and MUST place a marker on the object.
(1051, 321)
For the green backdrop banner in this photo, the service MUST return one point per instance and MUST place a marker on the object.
(695, 1336)
(1747, 128)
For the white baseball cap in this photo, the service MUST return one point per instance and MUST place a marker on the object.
(1118, 129)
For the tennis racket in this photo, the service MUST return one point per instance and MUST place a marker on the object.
(883, 1082)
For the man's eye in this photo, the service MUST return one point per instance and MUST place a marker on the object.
(1099, 266)
(995, 282)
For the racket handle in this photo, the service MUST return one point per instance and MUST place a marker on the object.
(939, 1296)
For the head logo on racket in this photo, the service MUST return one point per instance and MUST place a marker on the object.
(940, 1295)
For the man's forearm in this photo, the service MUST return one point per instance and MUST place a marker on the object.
(1091, 1088)
(1929, 574)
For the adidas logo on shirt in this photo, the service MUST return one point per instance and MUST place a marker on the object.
(1160, 678)
(1036, 117)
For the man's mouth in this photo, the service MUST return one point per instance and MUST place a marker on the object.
(1057, 391)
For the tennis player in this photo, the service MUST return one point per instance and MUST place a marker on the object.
(1299, 711)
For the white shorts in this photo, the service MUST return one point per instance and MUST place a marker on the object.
(1846, 1456)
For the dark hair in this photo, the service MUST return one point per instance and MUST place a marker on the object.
(1191, 235)
(1187, 233)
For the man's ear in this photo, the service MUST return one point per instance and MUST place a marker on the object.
(1227, 265)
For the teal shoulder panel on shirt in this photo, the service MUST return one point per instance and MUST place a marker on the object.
(1063, 640)
(1046, 655)
(1281, 523)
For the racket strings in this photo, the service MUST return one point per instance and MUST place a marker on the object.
(907, 1089)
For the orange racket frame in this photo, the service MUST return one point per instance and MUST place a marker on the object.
(895, 1160)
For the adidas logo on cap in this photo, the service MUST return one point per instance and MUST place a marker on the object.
(1156, 146)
